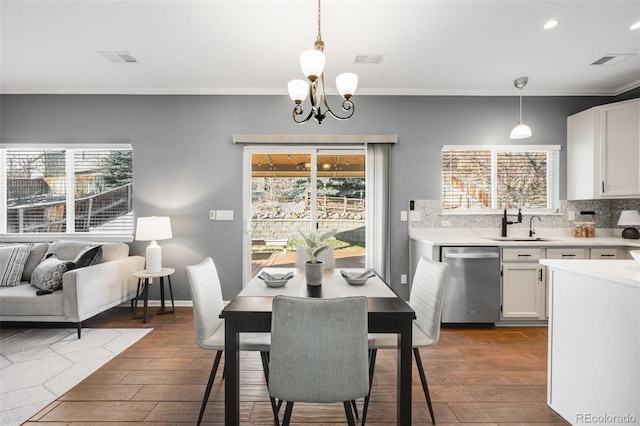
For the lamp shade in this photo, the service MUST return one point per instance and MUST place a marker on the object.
(312, 63)
(629, 218)
(521, 131)
(153, 228)
(298, 90)
(347, 83)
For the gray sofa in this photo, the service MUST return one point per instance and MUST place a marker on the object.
(86, 291)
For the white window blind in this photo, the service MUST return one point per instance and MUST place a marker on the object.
(83, 189)
(500, 177)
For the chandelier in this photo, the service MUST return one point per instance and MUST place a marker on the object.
(312, 64)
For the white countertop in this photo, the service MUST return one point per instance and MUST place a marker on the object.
(482, 237)
(621, 271)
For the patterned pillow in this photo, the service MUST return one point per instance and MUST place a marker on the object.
(12, 260)
(48, 274)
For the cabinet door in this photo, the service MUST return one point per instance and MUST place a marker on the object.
(523, 291)
(620, 149)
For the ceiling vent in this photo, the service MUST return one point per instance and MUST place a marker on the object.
(120, 57)
(612, 59)
(368, 59)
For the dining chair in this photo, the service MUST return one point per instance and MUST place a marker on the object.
(328, 257)
(427, 290)
(319, 351)
(206, 294)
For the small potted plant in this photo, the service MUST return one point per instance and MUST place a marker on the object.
(314, 244)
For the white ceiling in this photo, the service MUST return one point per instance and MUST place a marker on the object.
(430, 47)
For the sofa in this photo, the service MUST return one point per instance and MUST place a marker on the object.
(65, 281)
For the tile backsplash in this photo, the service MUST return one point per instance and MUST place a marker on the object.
(606, 215)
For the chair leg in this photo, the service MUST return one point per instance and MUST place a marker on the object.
(372, 366)
(423, 379)
(212, 377)
(349, 412)
(355, 408)
(264, 356)
(287, 413)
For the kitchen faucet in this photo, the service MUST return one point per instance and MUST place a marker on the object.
(506, 222)
(531, 230)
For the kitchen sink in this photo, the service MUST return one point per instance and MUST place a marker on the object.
(530, 239)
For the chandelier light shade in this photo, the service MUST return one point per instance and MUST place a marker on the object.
(630, 218)
(521, 130)
(312, 63)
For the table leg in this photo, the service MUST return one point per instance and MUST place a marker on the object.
(145, 311)
(134, 302)
(405, 364)
(162, 310)
(232, 375)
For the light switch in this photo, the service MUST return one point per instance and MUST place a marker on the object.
(224, 215)
(403, 216)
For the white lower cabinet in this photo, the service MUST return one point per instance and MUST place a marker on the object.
(524, 289)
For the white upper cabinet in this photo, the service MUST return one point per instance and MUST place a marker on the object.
(603, 152)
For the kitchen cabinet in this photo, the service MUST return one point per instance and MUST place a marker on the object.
(568, 253)
(523, 284)
(603, 152)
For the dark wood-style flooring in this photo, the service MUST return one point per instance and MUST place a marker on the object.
(477, 376)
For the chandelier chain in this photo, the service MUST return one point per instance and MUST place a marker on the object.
(319, 32)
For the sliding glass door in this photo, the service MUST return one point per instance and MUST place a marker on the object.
(300, 189)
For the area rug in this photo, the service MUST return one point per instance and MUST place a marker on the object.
(39, 365)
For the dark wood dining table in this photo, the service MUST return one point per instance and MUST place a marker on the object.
(251, 309)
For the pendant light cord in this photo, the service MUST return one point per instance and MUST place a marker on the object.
(319, 33)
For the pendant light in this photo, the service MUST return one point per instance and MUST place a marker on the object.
(521, 131)
(312, 64)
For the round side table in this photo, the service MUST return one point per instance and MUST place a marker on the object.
(144, 281)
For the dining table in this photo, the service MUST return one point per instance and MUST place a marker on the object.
(251, 309)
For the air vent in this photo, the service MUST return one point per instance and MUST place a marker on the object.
(120, 57)
(368, 59)
(612, 59)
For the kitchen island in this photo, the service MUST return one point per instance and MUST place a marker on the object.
(594, 341)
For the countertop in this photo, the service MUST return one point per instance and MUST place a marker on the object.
(550, 237)
(621, 271)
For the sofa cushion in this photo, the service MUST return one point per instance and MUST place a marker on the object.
(48, 274)
(88, 256)
(12, 260)
(21, 300)
(69, 250)
(35, 257)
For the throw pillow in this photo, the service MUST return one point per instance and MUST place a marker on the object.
(88, 256)
(12, 260)
(35, 257)
(48, 274)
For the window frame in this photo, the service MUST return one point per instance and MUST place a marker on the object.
(70, 150)
(553, 178)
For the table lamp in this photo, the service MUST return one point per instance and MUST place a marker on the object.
(152, 229)
(629, 218)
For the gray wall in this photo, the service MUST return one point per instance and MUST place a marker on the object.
(185, 163)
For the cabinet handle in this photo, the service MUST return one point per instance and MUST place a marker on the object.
(540, 274)
(607, 255)
(568, 255)
(603, 187)
(524, 255)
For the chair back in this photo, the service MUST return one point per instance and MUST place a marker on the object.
(426, 296)
(328, 257)
(206, 294)
(319, 349)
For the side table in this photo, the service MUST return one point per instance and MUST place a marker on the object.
(144, 278)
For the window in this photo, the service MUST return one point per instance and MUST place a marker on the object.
(73, 189)
(484, 178)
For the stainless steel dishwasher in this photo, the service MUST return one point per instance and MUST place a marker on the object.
(472, 294)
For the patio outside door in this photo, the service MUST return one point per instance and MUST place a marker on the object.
(303, 189)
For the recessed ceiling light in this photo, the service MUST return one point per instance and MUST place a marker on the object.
(551, 23)
(635, 26)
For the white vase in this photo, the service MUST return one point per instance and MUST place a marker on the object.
(313, 272)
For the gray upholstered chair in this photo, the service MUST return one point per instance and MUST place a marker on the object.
(209, 327)
(328, 257)
(426, 296)
(318, 351)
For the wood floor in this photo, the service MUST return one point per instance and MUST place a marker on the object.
(480, 377)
